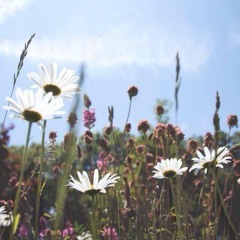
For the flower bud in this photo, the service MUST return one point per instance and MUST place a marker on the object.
(132, 91)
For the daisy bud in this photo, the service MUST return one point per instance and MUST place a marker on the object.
(87, 101)
(140, 149)
(232, 121)
(171, 131)
(128, 127)
(159, 130)
(130, 143)
(52, 136)
(192, 145)
(108, 131)
(143, 126)
(179, 135)
(132, 91)
(208, 140)
(72, 119)
(110, 158)
(88, 133)
(159, 110)
(87, 139)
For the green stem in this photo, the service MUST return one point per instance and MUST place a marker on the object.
(215, 205)
(94, 219)
(17, 197)
(129, 110)
(176, 202)
(224, 207)
(39, 187)
(62, 188)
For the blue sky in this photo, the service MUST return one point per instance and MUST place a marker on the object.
(125, 43)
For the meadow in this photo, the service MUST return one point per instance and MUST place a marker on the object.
(113, 184)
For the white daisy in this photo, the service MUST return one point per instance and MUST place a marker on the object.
(210, 159)
(85, 236)
(63, 84)
(2, 210)
(85, 186)
(5, 219)
(169, 168)
(34, 107)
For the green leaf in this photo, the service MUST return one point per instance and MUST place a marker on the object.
(17, 218)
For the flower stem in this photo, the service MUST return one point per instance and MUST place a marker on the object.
(94, 219)
(62, 189)
(39, 187)
(224, 207)
(17, 197)
(176, 202)
(129, 110)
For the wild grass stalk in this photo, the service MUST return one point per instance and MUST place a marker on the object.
(15, 75)
(40, 186)
(16, 216)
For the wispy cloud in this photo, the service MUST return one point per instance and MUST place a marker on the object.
(9, 7)
(120, 45)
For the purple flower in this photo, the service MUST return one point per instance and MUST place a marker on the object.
(67, 232)
(110, 233)
(89, 118)
(22, 231)
(102, 162)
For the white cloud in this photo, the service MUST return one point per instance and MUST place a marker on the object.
(9, 7)
(120, 45)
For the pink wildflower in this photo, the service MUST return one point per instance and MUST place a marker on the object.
(89, 118)
(22, 232)
(109, 233)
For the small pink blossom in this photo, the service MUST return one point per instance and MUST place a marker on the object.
(22, 231)
(102, 162)
(89, 118)
(110, 233)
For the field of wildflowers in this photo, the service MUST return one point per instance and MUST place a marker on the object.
(112, 184)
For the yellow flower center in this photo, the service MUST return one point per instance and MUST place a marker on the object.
(209, 165)
(31, 116)
(92, 191)
(169, 173)
(52, 88)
